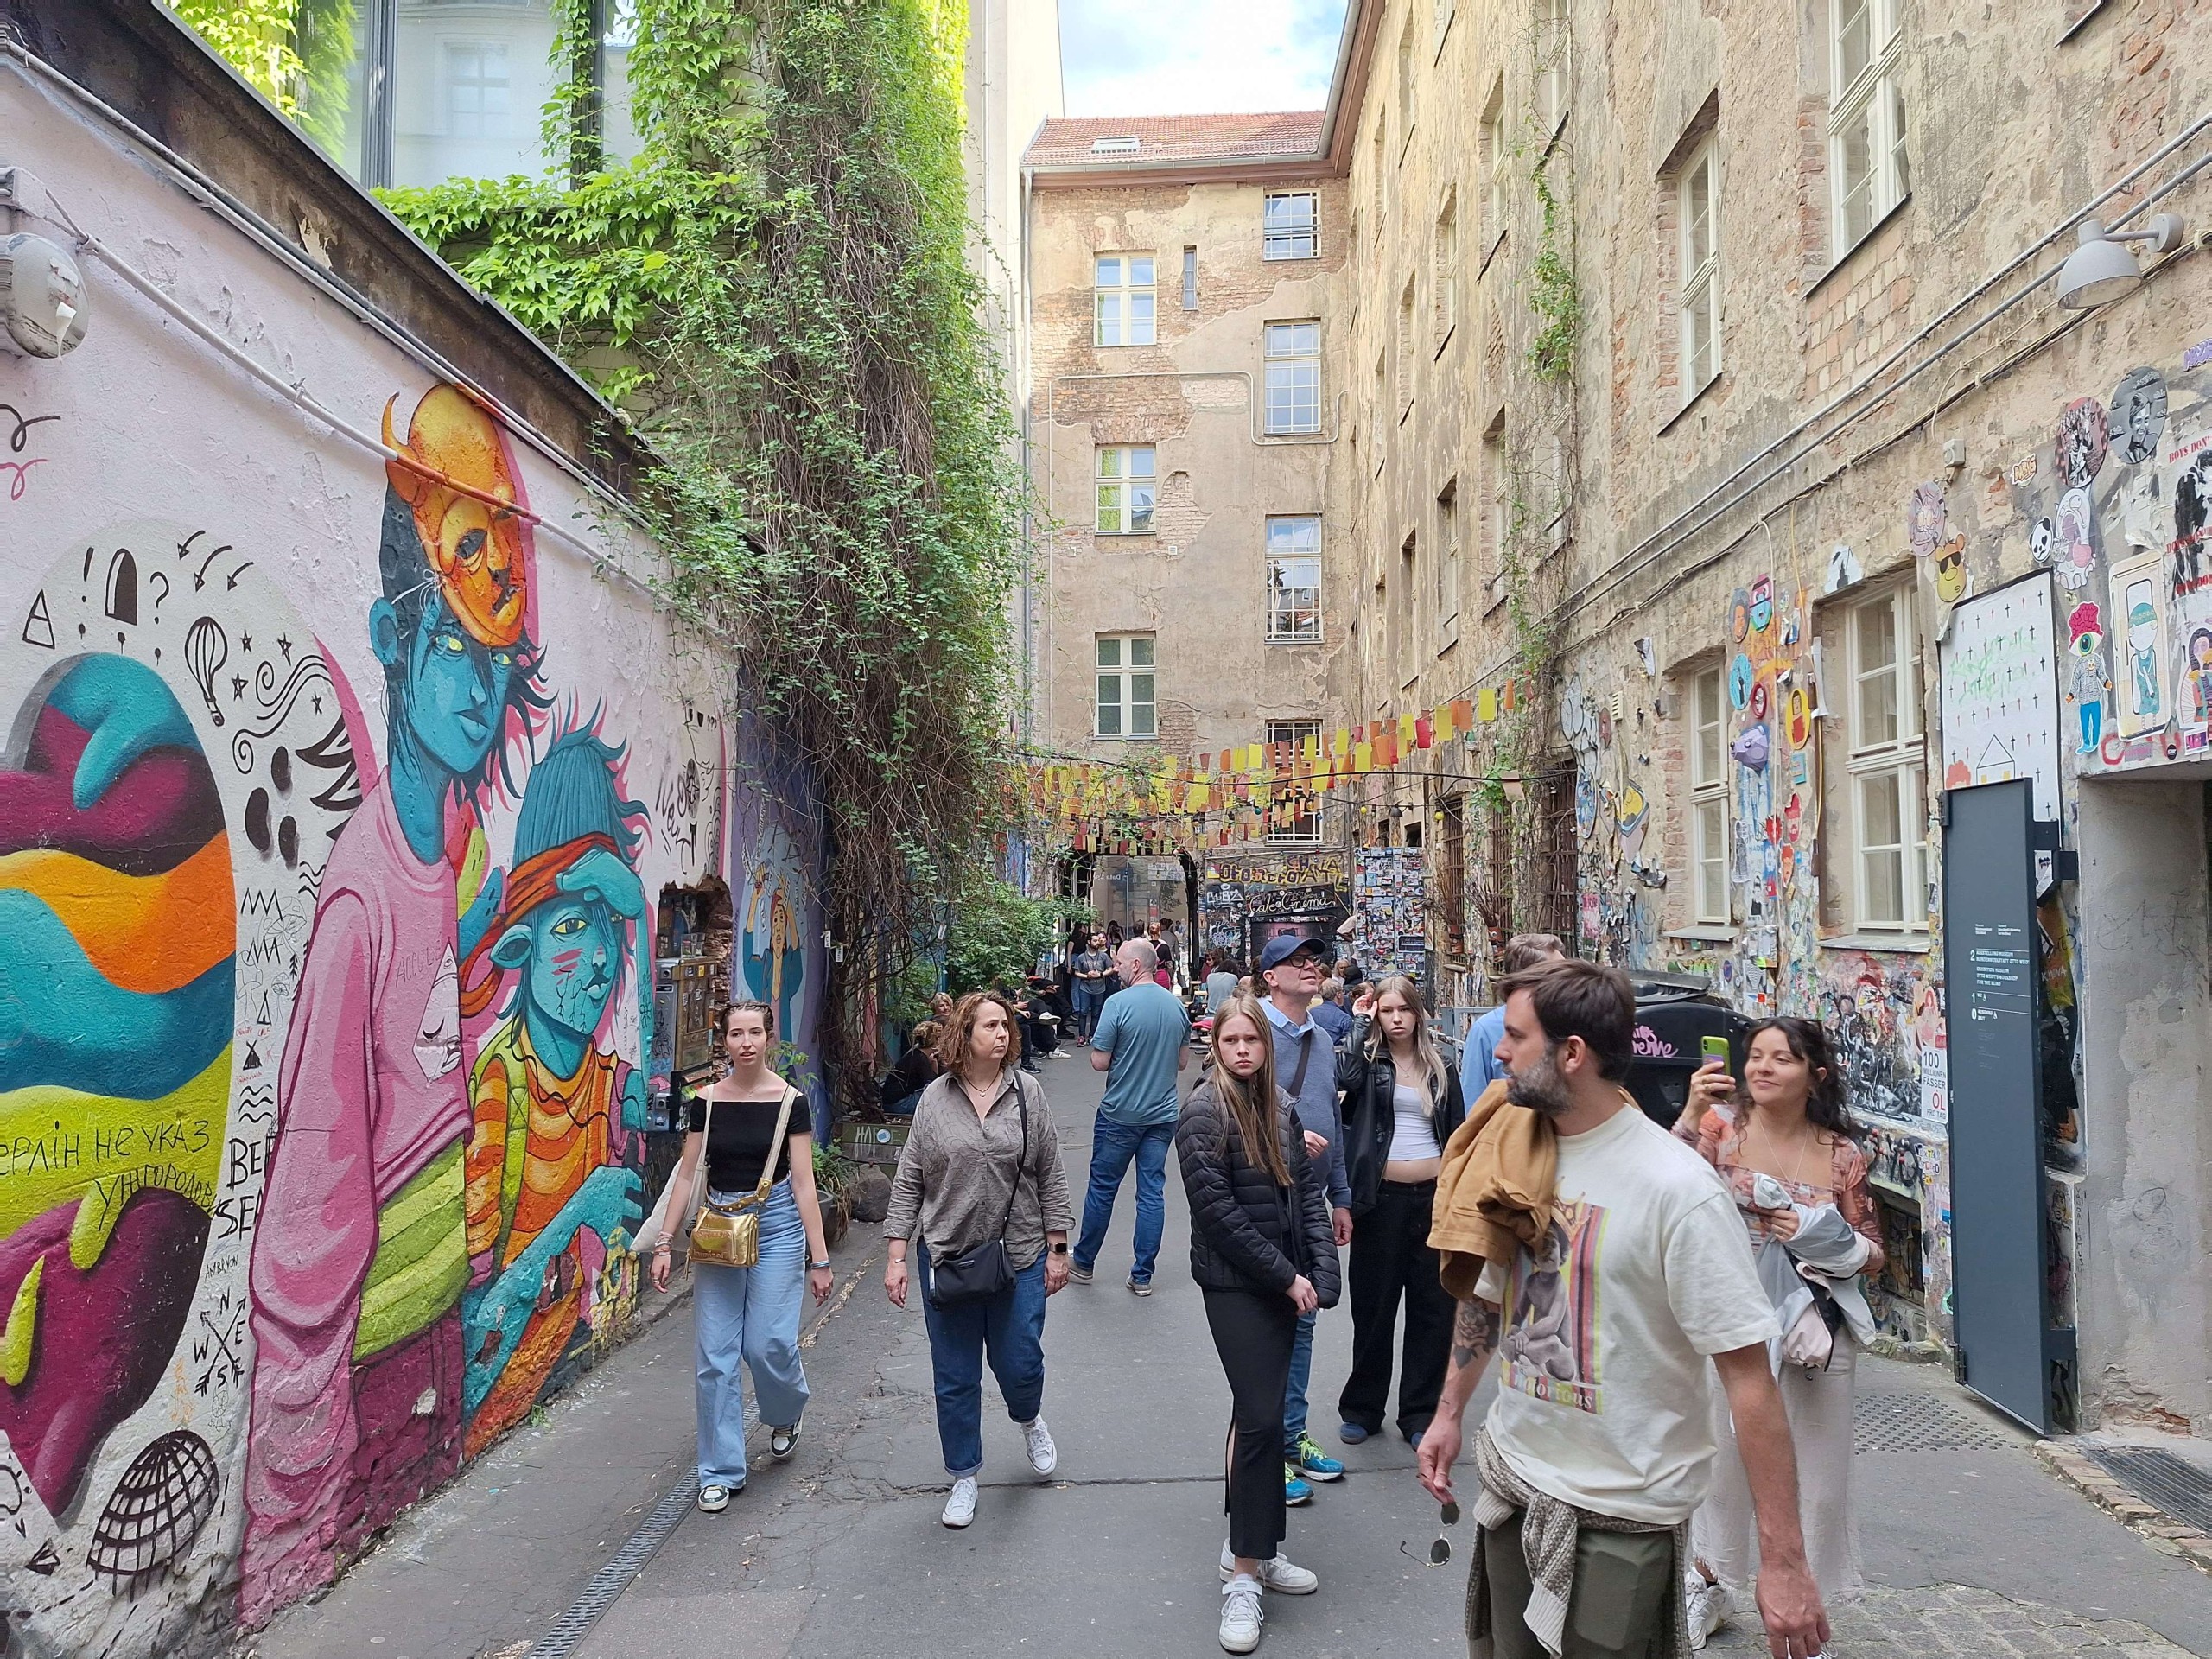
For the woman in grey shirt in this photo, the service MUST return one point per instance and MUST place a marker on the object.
(982, 1161)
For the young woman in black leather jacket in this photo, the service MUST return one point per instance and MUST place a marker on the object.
(1263, 1252)
(1402, 1102)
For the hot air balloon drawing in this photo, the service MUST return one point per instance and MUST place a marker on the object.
(207, 648)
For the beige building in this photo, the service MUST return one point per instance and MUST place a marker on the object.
(1709, 370)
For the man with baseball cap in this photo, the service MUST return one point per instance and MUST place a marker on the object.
(1305, 1069)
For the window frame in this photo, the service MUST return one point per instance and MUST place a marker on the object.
(1707, 711)
(1699, 289)
(1311, 232)
(1492, 153)
(1124, 292)
(1124, 669)
(1123, 481)
(1496, 525)
(1447, 561)
(1409, 306)
(1443, 276)
(1551, 26)
(1902, 755)
(1190, 279)
(1872, 94)
(1291, 363)
(1310, 632)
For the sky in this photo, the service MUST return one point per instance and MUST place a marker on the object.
(1196, 57)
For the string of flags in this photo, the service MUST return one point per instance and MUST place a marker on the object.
(1177, 804)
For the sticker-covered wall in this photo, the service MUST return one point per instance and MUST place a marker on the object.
(339, 793)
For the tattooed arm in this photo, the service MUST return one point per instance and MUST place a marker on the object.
(1474, 1339)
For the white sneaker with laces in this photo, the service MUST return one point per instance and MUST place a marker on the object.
(1709, 1607)
(960, 1507)
(1283, 1575)
(1044, 1456)
(1240, 1615)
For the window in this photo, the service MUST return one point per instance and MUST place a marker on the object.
(1551, 65)
(1889, 811)
(476, 92)
(1405, 596)
(1293, 581)
(1290, 226)
(1495, 521)
(1405, 349)
(1452, 873)
(1379, 415)
(617, 124)
(1190, 279)
(1405, 84)
(1440, 22)
(1125, 490)
(1444, 278)
(1293, 378)
(1126, 698)
(1493, 160)
(1122, 299)
(1447, 559)
(1304, 827)
(1866, 160)
(1709, 799)
(464, 97)
(1698, 204)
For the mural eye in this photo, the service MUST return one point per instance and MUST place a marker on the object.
(504, 658)
(471, 547)
(450, 643)
(568, 927)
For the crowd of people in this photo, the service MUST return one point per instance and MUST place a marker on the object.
(1673, 1314)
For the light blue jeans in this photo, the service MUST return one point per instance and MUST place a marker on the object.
(1301, 1377)
(751, 1314)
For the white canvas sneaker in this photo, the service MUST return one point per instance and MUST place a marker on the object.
(1240, 1615)
(1283, 1575)
(1709, 1607)
(960, 1507)
(1044, 1456)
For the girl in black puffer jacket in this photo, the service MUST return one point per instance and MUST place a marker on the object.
(1262, 1251)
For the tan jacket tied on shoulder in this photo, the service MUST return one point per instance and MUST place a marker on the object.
(1496, 1191)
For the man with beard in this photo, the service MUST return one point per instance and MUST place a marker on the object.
(1591, 1462)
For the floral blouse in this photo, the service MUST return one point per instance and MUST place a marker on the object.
(1721, 1145)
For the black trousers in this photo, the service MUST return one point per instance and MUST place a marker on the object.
(1252, 1332)
(1390, 1259)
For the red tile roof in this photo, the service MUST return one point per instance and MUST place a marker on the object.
(1176, 138)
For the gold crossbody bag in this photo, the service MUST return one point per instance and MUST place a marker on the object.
(729, 1236)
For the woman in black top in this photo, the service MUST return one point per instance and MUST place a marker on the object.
(1262, 1251)
(913, 1071)
(749, 1313)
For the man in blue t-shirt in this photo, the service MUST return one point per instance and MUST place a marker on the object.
(1479, 1066)
(1141, 1042)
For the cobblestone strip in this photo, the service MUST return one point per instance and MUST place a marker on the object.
(2161, 1530)
(1952, 1621)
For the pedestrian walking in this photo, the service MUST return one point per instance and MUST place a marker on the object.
(756, 1239)
(1606, 1296)
(1402, 1102)
(1095, 980)
(1163, 958)
(980, 1197)
(1264, 1255)
(1306, 1060)
(1799, 1180)
(1479, 1066)
(1143, 1041)
(1224, 981)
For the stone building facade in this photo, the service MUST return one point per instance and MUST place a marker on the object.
(1703, 371)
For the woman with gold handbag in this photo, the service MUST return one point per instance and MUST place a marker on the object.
(756, 1228)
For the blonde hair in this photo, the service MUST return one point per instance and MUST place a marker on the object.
(1251, 1101)
(1425, 1043)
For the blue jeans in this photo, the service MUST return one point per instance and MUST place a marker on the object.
(1012, 1325)
(1087, 1005)
(1112, 1146)
(750, 1314)
(1301, 1373)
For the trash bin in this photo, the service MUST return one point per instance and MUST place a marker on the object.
(1674, 1013)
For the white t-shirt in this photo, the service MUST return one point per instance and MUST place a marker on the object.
(1602, 1398)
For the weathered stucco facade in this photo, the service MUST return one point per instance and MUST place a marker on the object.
(343, 789)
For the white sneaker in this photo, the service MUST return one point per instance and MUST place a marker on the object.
(960, 1507)
(1044, 1456)
(1283, 1575)
(1709, 1607)
(1240, 1615)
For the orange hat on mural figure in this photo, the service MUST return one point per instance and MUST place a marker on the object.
(476, 549)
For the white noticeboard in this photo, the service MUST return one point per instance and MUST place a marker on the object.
(2000, 692)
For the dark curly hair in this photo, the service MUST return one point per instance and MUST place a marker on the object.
(1807, 1040)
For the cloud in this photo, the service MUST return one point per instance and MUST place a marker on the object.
(1196, 57)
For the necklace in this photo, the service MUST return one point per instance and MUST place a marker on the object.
(1797, 1169)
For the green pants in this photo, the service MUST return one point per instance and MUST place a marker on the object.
(1620, 1604)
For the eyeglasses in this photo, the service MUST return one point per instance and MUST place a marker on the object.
(1441, 1551)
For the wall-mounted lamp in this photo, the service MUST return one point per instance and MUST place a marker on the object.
(2100, 269)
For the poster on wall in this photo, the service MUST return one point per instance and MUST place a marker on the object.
(1245, 901)
(1390, 912)
(2138, 610)
(2000, 673)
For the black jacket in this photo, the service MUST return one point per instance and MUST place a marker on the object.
(1369, 1113)
(1246, 1232)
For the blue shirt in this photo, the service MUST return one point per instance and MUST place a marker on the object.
(1333, 1020)
(1316, 1098)
(1478, 1066)
(1143, 1030)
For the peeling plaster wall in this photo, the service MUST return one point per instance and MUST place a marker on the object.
(322, 1095)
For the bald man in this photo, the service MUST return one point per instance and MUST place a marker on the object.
(1142, 1041)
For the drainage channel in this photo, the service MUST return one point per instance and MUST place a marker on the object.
(2177, 1488)
(605, 1587)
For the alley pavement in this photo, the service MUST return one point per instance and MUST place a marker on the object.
(1970, 1547)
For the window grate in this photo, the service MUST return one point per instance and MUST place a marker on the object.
(2170, 1482)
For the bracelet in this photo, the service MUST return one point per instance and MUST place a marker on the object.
(819, 1267)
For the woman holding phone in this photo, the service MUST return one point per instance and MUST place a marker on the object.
(1784, 1144)
(1263, 1253)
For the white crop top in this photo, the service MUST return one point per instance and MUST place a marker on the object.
(1413, 1132)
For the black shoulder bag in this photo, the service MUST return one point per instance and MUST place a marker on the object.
(986, 1269)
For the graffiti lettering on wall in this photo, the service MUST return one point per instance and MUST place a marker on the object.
(16, 465)
(1865, 1008)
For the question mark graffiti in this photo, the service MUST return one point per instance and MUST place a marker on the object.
(151, 578)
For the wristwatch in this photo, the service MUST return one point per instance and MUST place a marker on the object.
(1060, 1249)
(819, 1267)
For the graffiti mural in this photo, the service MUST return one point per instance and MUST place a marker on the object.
(773, 857)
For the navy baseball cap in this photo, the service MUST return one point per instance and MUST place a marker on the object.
(1281, 947)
